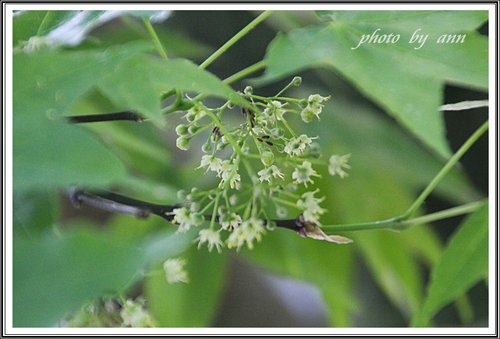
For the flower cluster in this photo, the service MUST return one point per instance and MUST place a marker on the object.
(260, 165)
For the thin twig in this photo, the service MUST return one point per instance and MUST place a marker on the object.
(116, 116)
(117, 203)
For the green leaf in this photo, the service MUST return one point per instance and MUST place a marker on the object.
(464, 262)
(138, 83)
(34, 210)
(405, 81)
(48, 152)
(193, 304)
(375, 142)
(139, 146)
(55, 275)
(409, 21)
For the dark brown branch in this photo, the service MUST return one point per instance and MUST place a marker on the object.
(117, 203)
(116, 116)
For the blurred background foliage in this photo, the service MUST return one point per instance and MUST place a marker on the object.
(65, 258)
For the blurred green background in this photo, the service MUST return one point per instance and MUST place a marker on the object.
(380, 280)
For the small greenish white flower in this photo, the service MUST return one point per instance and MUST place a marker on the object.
(337, 164)
(186, 219)
(211, 162)
(229, 173)
(230, 221)
(258, 130)
(310, 206)
(249, 231)
(297, 146)
(272, 112)
(174, 270)
(303, 173)
(270, 172)
(313, 108)
(35, 44)
(211, 237)
(134, 315)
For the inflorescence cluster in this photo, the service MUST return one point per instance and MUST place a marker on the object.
(261, 166)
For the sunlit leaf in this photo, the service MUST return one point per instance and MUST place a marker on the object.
(405, 81)
(138, 83)
(48, 152)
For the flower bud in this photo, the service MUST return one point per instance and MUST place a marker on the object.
(296, 81)
(206, 147)
(181, 130)
(193, 129)
(190, 115)
(183, 143)
(267, 158)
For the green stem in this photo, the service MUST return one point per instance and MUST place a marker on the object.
(287, 126)
(290, 84)
(447, 167)
(285, 202)
(214, 213)
(244, 72)
(156, 40)
(448, 213)
(235, 39)
(43, 24)
(398, 223)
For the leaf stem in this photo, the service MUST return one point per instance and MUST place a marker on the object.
(398, 223)
(43, 24)
(446, 168)
(154, 37)
(448, 213)
(244, 72)
(235, 39)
